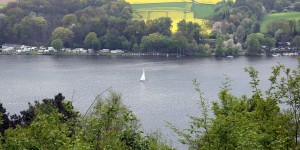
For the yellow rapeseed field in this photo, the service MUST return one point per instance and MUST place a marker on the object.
(176, 16)
(175, 13)
(171, 1)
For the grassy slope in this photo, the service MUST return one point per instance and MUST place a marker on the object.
(203, 11)
(194, 12)
(1, 6)
(151, 5)
(171, 1)
(272, 17)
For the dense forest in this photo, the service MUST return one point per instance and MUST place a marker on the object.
(108, 24)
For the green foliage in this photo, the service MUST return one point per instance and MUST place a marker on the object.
(31, 28)
(178, 6)
(197, 136)
(203, 11)
(282, 30)
(219, 47)
(47, 131)
(269, 43)
(154, 42)
(252, 123)
(111, 125)
(57, 44)
(277, 16)
(253, 44)
(69, 20)
(4, 121)
(296, 42)
(52, 125)
(65, 34)
(91, 41)
(161, 25)
(190, 30)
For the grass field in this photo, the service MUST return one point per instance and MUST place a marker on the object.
(278, 16)
(171, 1)
(2, 5)
(177, 10)
(203, 11)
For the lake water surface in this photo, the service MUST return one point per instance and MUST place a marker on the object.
(168, 96)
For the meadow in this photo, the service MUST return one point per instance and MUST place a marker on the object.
(171, 1)
(278, 16)
(2, 5)
(177, 10)
(203, 11)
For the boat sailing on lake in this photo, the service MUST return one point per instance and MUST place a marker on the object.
(143, 77)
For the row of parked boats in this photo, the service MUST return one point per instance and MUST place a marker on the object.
(285, 54)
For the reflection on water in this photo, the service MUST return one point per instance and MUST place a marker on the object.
(168, 96)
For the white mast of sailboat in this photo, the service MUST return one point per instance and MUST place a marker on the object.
(143, 77)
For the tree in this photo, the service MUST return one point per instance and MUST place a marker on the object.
(63, 106)
(91, 41)
(111, 125)
(57, 44)
(181, 42)
(161, 25)
(69, 20)
(32, 30)
(255, 122)
(65, 34)
(281, 29)
(269, 43)
(240, 34)
(154, 42)
(297, 6)
(4, 121)
(219, 51)
(190, 30)
(296, 42)
(285, 88)
(46, 131)
(54, 124)
(253, 44)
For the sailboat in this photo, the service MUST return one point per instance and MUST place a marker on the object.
(143, 78)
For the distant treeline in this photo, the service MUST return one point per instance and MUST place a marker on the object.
(108, 24)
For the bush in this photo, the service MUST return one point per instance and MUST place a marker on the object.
(273, 11)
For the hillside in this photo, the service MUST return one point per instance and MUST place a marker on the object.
(177, 10)
(6, 1)
(172, 1)
(278, 16)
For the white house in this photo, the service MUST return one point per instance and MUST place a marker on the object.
(116, 51)
(68, 50)
(104, 51)
(79, 50)
(90, 51)
(8, 49)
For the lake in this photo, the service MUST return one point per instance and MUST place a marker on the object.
(167, 96)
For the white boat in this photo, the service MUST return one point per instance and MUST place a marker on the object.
(275, 55)
(143, 77)
(229, 56)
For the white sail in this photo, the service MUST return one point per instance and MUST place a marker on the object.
(143, 78)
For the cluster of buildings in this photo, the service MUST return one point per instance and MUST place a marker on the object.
(18, 49)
